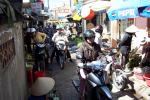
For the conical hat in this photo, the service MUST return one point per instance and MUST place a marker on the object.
(42, 86)
(131, 29)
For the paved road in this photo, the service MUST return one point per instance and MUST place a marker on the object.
(66, 90)
(63, 80)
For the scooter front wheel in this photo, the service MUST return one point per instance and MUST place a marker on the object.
(99, 95)
(119, 79)
(61, 62)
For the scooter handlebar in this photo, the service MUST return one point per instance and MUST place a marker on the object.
(96, 65)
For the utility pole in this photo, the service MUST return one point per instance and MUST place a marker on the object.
(70, 3)
(48, 4)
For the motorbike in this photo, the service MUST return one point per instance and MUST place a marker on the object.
(62, 52)
(40, 56)
(115, 70)
(95, 77)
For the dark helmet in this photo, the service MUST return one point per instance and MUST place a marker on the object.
(88, 34)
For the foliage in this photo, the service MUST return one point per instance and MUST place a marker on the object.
(78, 40)
(134, 59)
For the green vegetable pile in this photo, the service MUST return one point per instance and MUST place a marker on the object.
(77, 40)
(134, 59)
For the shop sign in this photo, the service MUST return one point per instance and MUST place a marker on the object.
(127, 12)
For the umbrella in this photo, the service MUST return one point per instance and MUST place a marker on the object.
(146, 12)
(123, 9)
(98, 5)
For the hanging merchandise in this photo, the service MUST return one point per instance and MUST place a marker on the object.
(76, 16)
(87, 13)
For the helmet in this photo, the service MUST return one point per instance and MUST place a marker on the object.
(88, 34)
(31, 30)
(59, 27)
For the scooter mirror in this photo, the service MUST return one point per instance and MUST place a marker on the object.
(114, 50)
(78, 56)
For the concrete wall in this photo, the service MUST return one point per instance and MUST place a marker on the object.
(12, 77)
(114, 33)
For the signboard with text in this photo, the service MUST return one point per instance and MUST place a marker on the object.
(123, 13)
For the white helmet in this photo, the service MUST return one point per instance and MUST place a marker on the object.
(31, 30)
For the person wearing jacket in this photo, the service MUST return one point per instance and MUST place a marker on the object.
(125, 44)
(89, 51)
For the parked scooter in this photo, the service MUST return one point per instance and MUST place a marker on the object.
(115, 70)
(93, 74)
(62, 52)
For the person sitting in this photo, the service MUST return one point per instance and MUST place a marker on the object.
(41, 51)
(59, 35)
(41, 88)
(89, 51)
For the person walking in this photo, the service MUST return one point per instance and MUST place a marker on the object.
(98, 34)
(125, 44)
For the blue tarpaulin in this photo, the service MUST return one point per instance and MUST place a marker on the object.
(123, 9)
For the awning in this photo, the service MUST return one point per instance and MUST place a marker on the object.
(87, 11)
(98, 5)
(123, 9)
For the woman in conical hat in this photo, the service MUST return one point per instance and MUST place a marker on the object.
(41, 87)
(125, 44)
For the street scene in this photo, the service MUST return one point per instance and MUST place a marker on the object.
(75, 50)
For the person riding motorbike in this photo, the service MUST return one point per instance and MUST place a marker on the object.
(40, 56)
(89, 51)
(59, 35)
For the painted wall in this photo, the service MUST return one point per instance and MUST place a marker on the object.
(12, 70)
